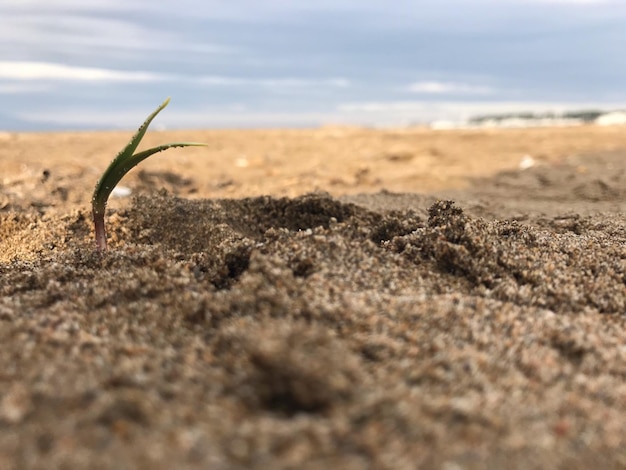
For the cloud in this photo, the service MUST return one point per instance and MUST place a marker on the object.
(47, 71)
(441, 88)
(213, 117)
(42, 5)
(575, 2)
(215, 80)
(17, 70)
(94, 31)
(14, 88)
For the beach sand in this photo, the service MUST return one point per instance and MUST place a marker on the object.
(338, 298)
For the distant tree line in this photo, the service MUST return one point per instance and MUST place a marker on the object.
(585, 115)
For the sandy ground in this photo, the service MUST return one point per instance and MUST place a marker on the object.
(332, 298)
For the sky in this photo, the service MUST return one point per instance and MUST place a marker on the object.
(106, 64)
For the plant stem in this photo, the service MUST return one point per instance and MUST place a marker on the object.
(101, 234)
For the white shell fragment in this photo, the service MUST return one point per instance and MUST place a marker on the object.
(526, 162)
(121, 191)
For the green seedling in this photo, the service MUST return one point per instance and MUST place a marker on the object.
(122, 164)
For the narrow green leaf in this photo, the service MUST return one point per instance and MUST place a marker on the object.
(117, 169)
(130, 161)
(137, 158)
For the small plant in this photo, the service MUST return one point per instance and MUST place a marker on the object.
(121, 165)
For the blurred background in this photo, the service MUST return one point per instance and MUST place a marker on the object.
(106, 64)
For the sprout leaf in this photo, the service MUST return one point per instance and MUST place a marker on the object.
(122, 164)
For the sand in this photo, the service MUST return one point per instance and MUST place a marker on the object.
(334, 298)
